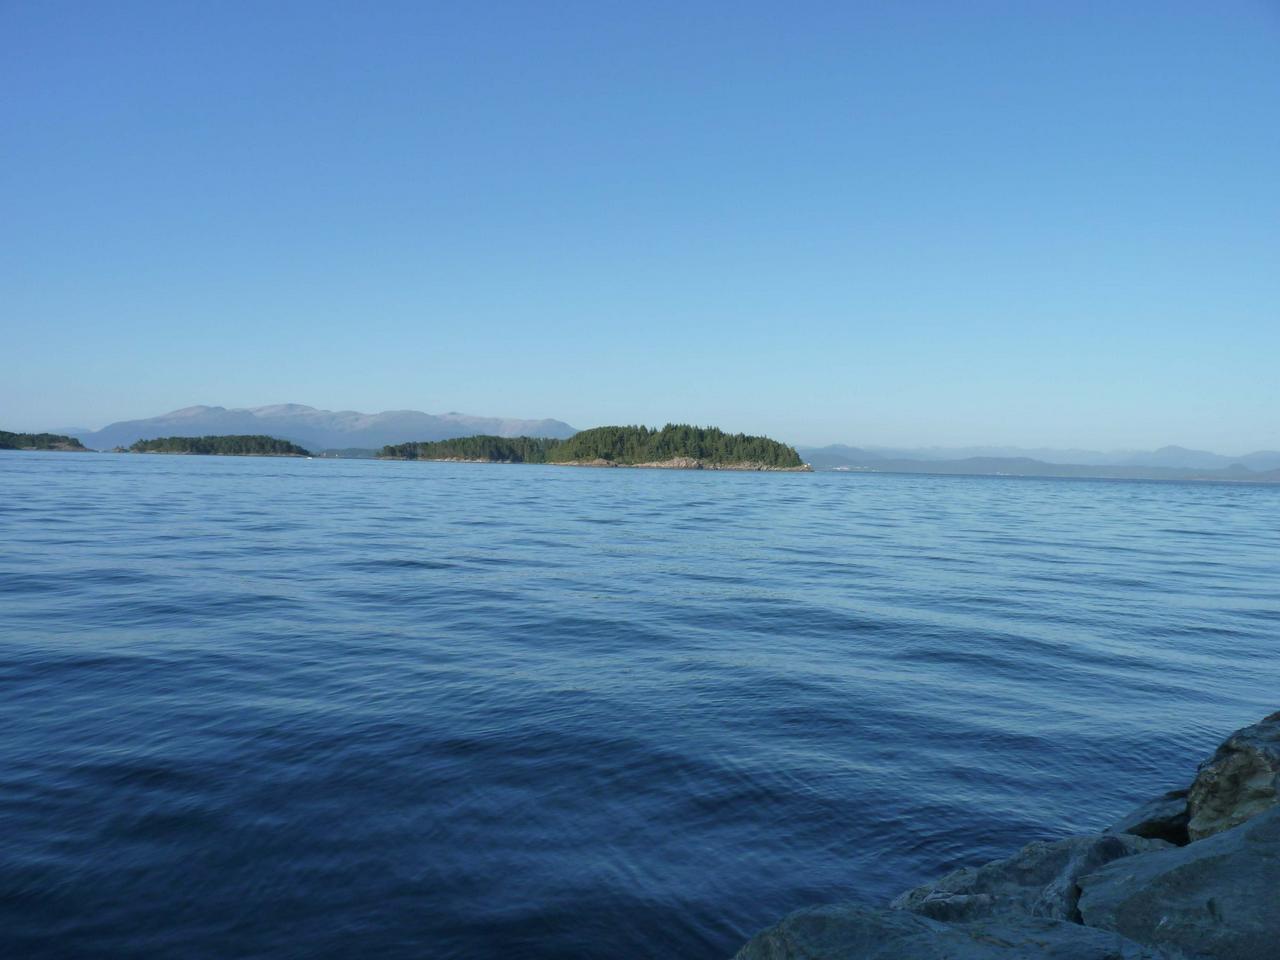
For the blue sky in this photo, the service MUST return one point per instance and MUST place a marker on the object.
(893, 223)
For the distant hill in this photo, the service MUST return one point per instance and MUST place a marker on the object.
(39, 441)
(1166, 457)
(1181, 457)
(318, 429)
(839, 457)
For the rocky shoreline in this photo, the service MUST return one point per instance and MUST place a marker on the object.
(1191, 875)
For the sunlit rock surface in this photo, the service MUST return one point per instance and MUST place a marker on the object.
(1240, 781)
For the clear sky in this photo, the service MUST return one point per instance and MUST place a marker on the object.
(879, 223)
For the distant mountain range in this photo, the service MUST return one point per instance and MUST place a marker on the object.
(357, 434)
(1176, 457)
(1167, 463)
(317, 429)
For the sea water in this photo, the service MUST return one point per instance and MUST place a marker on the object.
(313, 708)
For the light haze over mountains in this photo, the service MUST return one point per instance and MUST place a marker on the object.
(1172, 457)
(317, 429)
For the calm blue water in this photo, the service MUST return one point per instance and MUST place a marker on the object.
(290, 708)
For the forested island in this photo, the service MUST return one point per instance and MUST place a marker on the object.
(678, 446)
(228, 446)
(40, 441)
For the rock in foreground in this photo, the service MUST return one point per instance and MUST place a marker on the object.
(1164, 818)
(853, 932)
(1217, 898)
(1240, 781)
(1191, 875)
(1040, 880)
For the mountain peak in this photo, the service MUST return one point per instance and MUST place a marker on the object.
(283, 410)
(195, 411)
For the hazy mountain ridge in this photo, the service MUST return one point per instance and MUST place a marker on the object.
(331, 430)
(1169, 456)
(318, 429)
(1261, 466)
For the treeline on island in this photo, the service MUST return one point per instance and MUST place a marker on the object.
(482, 447)
(626, 446)
(234, 446)
(710, 445)
(38, 441)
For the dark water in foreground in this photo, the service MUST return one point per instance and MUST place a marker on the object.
(283, 708)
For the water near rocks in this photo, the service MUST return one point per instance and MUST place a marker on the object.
(287, 708)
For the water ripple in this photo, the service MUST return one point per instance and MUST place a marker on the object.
(332, 708)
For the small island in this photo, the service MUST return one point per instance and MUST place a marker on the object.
(675, 446)
(40, 441)
(226, 446)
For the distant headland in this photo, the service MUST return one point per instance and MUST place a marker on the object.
(254, 445)
(674, 447)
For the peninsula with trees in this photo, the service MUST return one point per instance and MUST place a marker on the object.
(40, 441)
(675, 446)
(227, 446)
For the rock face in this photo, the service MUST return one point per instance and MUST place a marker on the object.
(1191, 875)
(852, 932)
(1040, 880)
(1240, 781)
(1164, 818)
(1217, 898)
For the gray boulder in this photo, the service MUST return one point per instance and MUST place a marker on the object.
(1240, 781)
(1040, 880)
(844, 931)
(1164, 818)
(1217, 898)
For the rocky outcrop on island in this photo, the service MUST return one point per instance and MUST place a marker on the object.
(1193, 874)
